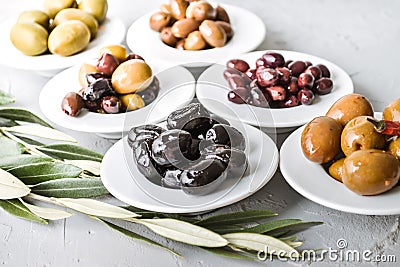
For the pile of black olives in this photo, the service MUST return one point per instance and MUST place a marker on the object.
(276, 83)
(196, 152)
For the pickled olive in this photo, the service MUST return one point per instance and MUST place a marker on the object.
(98, 89)
(97, 8)
(202, 10)
(182, 27)
(111, 104)
(222, 15)
(143, 132)
(194, 41)
(238, 64)
(226, 135)
(30, 38)
(165, 8)
(119, 51)
(159, 20)
(132, 76)
(91, 77)
(236, 81)
(251, 73)
(305, 80)
(324, 71)
(323, 86)
(285, 77)
(394, 148)
(107, 64)
(198, 127)
(132, 102)
(214, 34)
(76, 14)
(227, 28)
(178, 118)
(34, 16)
(336, 169)
(52, 7)
(72, 104)
(258, 98)
(292, 101)
(178, 8)
(167, 37)
(267, 76)
(297, 67)
(293, 88)
(277, 93)
(134, 56)
(273, 60)
(171, 148)
(305, 96)
(314, 71)
(83, 71)
(239, 96)
(146, 164)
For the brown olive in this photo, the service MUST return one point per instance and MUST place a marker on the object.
(394, 148)
(180, 45)
(222, 14)
(72, 104)
(214, 34)
(336, 169)
(166, 8)
(227, 28)
(183, 27)
(159, 20)
(392, 111)
(201, 10)
(167, 37)
(194, 41)
(178, 8)
(107, 64)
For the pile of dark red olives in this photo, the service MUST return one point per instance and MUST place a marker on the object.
(276, 83)
(196, 153)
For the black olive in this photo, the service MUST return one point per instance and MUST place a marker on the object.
(151, 92)
(226, 135)
(172, 178)
(198, 127)
(91, 77)
(97, 90)
(143, 132)
(146, 164)
(178, 118)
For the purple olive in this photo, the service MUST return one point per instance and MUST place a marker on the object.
(284, 75)
(323, 86)
(273, 60)
(267, 77)
(251, 73)
(236, 81)
(305, 96)
(292, 101)
(305, 80)
(111, 104)
(239, 95)
(324, 70)
(107, 63)
(277, 93)
(72, 104)
(297, 67)
(293, 88)
(314, 71)
(238, 64)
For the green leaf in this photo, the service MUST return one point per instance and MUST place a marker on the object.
(237, 217)
(11, 187)
(19, 160)
(7, 123)
(291, 229)
(10, 147)
(71, 188)
(135, 236)
(16, 208)
(40, 131)
(70, 152)
(47, 213)
(225, 229)
(41, 172)
(274, 225)
(90, 166)
(229, 253)
(6, 98)
(145, 214)
(183, 232)
(18, 114)
(29, 141)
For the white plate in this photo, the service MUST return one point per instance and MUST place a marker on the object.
(112, 31)
(212, 91)
(313, 182)
(177, 89)
(249, 34)
(122, 179)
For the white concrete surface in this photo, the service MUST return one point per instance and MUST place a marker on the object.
(361, 36)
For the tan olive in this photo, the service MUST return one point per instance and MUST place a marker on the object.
(119, 51)
(183, 27)
(360, 134)
(180, 45)
(201, 10)
(35, 16)
(159, 20)
(394, 148)
(214, 35)
(178, 8)
(349, 107)
(83, 70)
(194, 41)
(76, 14)
(392, 111)
(320, 139)
(29, 38)
(165, 8)
(370, 172)
(97, 8)
(222, 14)
(336, 169)
(69, 38)
(167, 37)
(132, 102)
(131, 76)
(227, 28)
(52, 7)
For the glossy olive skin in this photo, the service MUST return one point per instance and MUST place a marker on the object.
(359, 134)
(370, 172)
(198, 127)
(392, 111)
(143, 132)
(222, 15)
(394, 148)
(29, 38)
(227, 28)
(97, 8)
(111, 104)
(336, 169)
(350, 106)
(131, 102)
(72, 104)
(178, 8)
(131, 76)
(107, 64)
(35, 16)
(178, 118)
(168, 37)
(83, 71)
(320, 139)
(76, 14)
(226, 135)
(194, 41)
(52, 7)
(159, 20)
(91, 77)
(98, 89)
(212, 33)
(183, 27)
(145, 162)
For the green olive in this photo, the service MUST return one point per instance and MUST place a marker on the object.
(77, 14)
(98, 8)
(336, 169)
(52, 7)
(35, 16)
(132, 76)
(29, 38)
(69, 38)
(131, 101)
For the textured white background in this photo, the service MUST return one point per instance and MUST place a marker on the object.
(360, 36)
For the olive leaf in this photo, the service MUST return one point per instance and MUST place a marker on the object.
(87, 165)
(237, 217)
(29, 140)
(70, 152)
(40, 131)
(40, 172)
(7, 123)
(71, 188)
(10, 147)
(135, 235)
(6, 98)
(274, 225)
(18, 114)
(16, 208)
(183, 232)
(258, 242)
(11, 187)
(96, 208)
(47, 213)
(225, 229)
(19, 160)
(229, 253)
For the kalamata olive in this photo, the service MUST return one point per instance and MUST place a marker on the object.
(226, 135)
(178, 118)
(222, 15)
(227, 28)
(324, 70)
(314, 71)
(305, 96)
(251, 73)
(107, 64)
(159, 20)
(260, 62)
(284, 75)
(72, 104)
(171, 178)
(94, 76)
(198, 127)
(287, 63)
(239, 96)
(293, 88)
(277, 93)
(218, 120)
(134, 56)
(143, 132)
(203, 177)
(267, 76)
(194, 152)
(305, 80)
(145, 163)
(97, 90)
(233, 158)
(273, 60)
(151, 92)
(323, 86)
(308, 63)
(236, 81)
(292, 101)
(111, 104)
(171, 147)
(258, 98)
(297, 67)
(238, 64)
